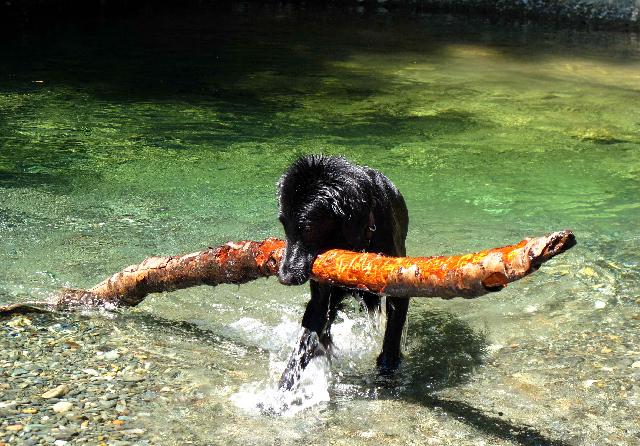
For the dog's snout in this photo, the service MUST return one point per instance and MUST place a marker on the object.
(296, 265)
(291, 278)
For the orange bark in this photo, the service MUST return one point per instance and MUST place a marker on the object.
(468, 275)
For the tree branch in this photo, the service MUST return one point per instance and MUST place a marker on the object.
(468, 275)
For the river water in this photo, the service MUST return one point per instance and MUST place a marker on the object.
(166, 135)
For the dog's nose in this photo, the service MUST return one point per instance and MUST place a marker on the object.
(292, 274)
(291, 279)
(295, 268)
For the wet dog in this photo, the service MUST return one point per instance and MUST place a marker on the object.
(325, 203)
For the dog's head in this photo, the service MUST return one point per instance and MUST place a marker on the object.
(325, 203)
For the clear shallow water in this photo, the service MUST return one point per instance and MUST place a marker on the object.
(168, 136)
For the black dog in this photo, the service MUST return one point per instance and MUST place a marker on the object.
(327, 202)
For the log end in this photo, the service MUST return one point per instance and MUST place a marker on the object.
(528, 259)
(550, 246)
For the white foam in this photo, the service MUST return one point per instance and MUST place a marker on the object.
(354, 338)
(266, 398)
(256, 332)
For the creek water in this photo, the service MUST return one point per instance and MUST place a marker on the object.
(168, 134)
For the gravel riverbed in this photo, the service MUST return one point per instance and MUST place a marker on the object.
(131, 379)
(66, 379)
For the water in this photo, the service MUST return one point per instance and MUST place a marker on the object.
(167, 135)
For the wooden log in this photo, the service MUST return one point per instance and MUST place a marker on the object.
(468, 275)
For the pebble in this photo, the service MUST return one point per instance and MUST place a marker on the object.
(149, 395)
(75, 392)
(20, 321)
(599, 305)
(134, 431)
(636, 365)
(14, 427)
(111, 355)
(588, 271)
(56, 392)
(66, 434)
(62, 406)
(132, 378)
(108, 404)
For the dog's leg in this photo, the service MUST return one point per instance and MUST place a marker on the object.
(316, 336)
(307, 348)
(389, 358)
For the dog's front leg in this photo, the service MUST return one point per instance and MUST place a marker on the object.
(316, 337)
(308, 347)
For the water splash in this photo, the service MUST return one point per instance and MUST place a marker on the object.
(252, 331)
(356, 339)
(267, 399)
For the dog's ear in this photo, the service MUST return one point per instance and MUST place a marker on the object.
(354, 231)
(359, 225)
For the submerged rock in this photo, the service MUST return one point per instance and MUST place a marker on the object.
(111, 355)
(62, 406)
(600, 136)
(56, 392)
(132, 378)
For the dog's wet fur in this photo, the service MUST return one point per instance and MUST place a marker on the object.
(327, 202)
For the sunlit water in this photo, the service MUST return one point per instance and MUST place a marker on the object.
(168, 136)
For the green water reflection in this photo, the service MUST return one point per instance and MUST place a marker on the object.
(164, 136)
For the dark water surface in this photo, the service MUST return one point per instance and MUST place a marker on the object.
(167, 135)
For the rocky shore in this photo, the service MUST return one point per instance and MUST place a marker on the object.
(605, 14)
(591, 13)
(63, 382)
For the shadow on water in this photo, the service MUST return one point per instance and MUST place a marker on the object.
(108, 90)
(496, 426)
(187, 331)
(199, 55)
(22, 179)
(442, 352)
